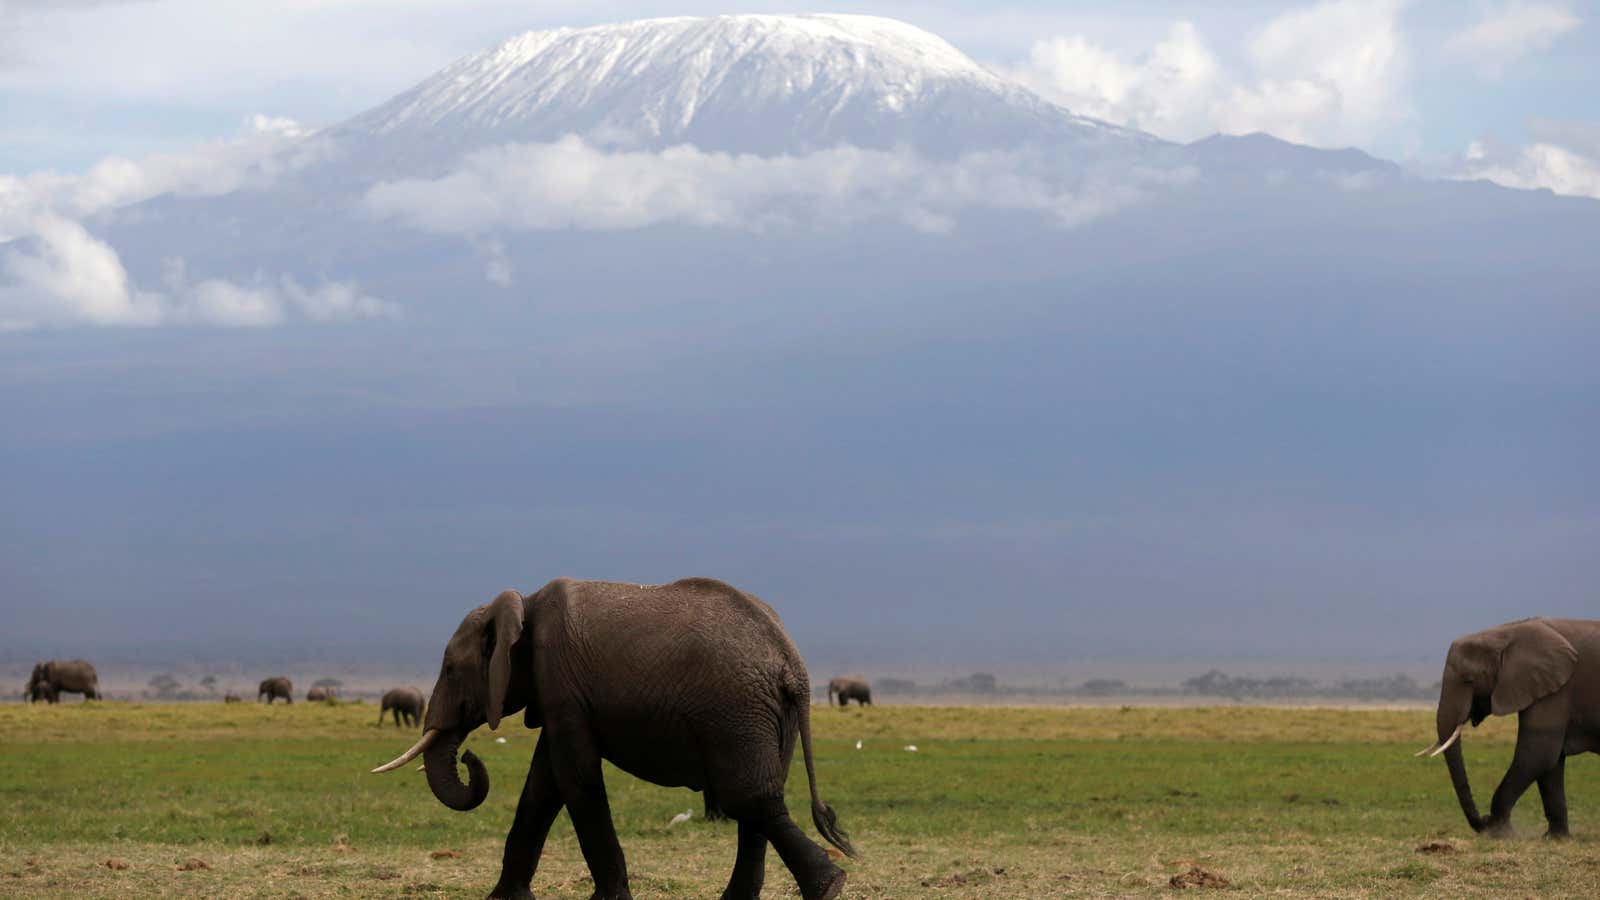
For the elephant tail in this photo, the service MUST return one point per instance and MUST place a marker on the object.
(822, 815)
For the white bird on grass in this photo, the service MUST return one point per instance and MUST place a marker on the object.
(858, 745)
(682, 817)
(912, 748)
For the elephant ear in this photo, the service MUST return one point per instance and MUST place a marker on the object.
(1535, 663)
(505, 615)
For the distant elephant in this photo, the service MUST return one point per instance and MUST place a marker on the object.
(849, 689)
(275, 689)
(75, 676)
(230, 697)
(1548, 672)
(692, 684)
(322, 694)
(406, 702)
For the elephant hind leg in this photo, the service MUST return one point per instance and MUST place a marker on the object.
(1553, 791)
(750, 868)
(816, 874)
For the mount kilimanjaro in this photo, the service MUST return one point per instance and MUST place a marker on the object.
(818, 304)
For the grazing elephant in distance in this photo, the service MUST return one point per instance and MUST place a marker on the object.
(230, 697)
(1547, 671)
(322, 694)
(693, 684)
(406, 702)
(75, 676)
(849, 689)
(275, 689)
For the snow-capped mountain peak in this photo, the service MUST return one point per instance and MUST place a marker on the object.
(750, 83)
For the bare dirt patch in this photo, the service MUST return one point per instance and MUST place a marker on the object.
(1437, 848)
(193, 865)
(115, 864)
(1197, 877)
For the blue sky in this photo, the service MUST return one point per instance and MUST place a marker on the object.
(1420, 81)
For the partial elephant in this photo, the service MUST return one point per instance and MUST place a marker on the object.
(230, 697)
(322, 694)
(1547, 671)
(278, 688)
(692, 684)
(52, 677)
(406, 702)
(848, 689)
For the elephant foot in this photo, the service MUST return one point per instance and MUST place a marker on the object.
(1498, 830)
(1558, 834)
(831, 888)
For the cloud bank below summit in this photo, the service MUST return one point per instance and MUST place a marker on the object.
(569, 183)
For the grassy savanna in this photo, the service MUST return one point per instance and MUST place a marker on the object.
(211, 800)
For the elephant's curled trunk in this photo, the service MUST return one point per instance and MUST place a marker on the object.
(439, 760)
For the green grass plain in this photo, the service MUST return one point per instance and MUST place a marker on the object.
(210, 800)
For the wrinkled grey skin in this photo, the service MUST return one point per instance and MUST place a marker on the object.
(278, 688)
(692, 684)
(321, 694)
(847, 689)
(1547, 671)
(406, 702)
(50, 678)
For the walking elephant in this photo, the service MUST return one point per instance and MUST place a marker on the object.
(278, 688)
(321, 694)
(1547, 671)
(848, 689)
(74, 676)
(692, 684)
(405, 702)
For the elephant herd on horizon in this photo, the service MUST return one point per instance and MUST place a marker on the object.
(696, 684)
(51, 678)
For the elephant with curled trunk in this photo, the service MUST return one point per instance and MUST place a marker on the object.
(1547, 671)
(693, 684)
(847, 689)
(406, 702)
(276, 688)
(52, 677)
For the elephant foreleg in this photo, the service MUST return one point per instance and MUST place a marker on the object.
(1538, 752)
(536, 811)
(750, 868)
(576, 763)
(1553, 791)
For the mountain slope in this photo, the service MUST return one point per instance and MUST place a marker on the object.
(747, 83)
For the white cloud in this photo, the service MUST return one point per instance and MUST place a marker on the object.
(268, 148)
(62, 276)
(1166, 92)
(571, 184)
(1509, 31)
(1332, 73)
(57, 274)
(1540, 165)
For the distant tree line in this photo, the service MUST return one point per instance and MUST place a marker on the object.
(1214, 683)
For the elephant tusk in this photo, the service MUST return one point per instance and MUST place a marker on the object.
(409, 755)
(1443, 745)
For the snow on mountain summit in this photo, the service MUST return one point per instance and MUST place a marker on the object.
(765, 84)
